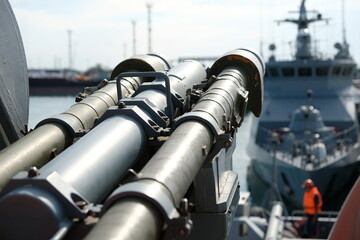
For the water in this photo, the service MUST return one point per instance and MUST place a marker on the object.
(42, 107)
(241, 160)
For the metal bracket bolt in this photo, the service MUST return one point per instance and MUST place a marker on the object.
(33, 172)
(121, 105)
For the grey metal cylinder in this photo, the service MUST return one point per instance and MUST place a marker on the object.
(179, 159)
(174, 165)
(143, 63)
(276, 223)
(185, 75)
(252, 67)
(182, 78)
(101, 158)
(35, 149)
(134, 209)
(88, 170)
(181, 156)
(56, 133)
(223, 94)
(177, 162)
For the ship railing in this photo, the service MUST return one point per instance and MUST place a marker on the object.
(348, 137)
(326, 220)
(286, 58)
(317, 152)
(324, 214)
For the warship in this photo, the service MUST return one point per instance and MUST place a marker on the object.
(309, 127)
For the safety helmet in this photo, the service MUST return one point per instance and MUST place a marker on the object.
(308, 183)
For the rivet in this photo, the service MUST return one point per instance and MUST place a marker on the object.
(121, 105)
(33, 172)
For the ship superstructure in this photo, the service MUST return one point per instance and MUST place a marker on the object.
(309, 123)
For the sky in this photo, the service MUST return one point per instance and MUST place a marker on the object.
(102, 30)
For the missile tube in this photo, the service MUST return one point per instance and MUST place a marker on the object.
(172, 169)
(55, 134)
(88, 170)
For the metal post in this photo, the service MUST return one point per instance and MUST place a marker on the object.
(149, 5)
(276, 224)
(70, 50)
(134, 36)
(274, 192)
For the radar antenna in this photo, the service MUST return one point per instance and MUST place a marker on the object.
(343, 48)
(303, 39)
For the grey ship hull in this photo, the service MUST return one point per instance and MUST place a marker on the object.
(338, 102)
(334, 175)
(309, 126)
(333, 180)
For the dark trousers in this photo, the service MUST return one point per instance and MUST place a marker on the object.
(311, 225)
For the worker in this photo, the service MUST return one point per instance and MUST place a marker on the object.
(312, 203)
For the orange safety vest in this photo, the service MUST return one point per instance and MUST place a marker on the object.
(309, 201)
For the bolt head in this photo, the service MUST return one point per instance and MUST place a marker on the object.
(33, 172)
(121, 105)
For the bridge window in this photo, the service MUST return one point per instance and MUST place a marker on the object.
(274, 72)
(336, 70)
(288, 71)
(322, 71)
(347, 71)
(304, 72)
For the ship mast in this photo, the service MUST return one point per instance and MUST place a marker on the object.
(344, 47)
(343, 21)
(303, 39)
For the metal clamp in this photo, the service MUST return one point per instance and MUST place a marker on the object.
(58, 193)
(222, 139)
(178, 224)
(148, 74)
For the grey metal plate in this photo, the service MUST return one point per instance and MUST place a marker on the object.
(14, 86)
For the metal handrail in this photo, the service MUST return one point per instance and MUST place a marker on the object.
(339, 143)
(328, 214)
